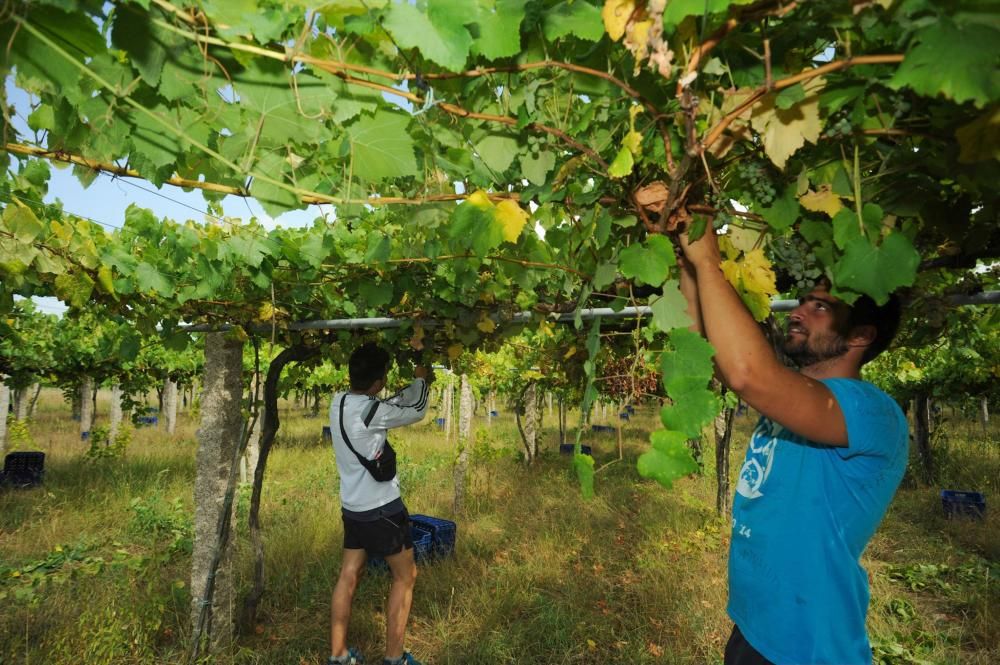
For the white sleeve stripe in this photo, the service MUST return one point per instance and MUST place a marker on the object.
(420, 403)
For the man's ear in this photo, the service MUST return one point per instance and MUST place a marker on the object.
(862, 336)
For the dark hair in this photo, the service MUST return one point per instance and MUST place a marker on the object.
(368, 364)
(885, 319)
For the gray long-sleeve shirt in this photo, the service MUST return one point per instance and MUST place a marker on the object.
(367, 421)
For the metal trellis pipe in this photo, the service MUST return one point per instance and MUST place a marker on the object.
(375, 323)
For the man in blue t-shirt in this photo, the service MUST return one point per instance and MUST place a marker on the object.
(822, 466)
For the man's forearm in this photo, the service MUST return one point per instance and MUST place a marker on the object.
(689, 289)
(741, 351)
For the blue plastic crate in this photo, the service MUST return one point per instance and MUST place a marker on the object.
(148, 420)
(602, 428)
(623, 415)
(423, 545)
(494, 414)
(85, 436)
(443, 533)
(439, 421)
(958, 503)
(567, 448)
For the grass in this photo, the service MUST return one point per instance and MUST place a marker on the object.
(94, 565)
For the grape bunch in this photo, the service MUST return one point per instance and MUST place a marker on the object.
(761, 187)
(628, 377)
(535, 145)
(796, 265)
(839, 125)
(900, 106)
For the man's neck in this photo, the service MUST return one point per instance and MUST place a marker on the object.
(833, 368)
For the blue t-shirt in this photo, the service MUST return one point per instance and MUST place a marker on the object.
(802, 516)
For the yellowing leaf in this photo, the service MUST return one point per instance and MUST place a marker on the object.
(783, 131)
(417, 340)
(637, 41)
(622, 164)
(512, 218)
(743, 239)
(454, 351)
(486, 324)
(265, 312)
(753, 280)
(633, 140)
(980, 139)
(822, 200)
(105, 280)
(616, 14)
(480, 199)
(757, 272)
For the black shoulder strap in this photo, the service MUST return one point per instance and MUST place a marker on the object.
(343, 432)
(371, 413)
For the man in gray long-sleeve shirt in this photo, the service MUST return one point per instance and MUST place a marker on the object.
(375, 519)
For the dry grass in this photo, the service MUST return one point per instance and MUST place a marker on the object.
(636, 575)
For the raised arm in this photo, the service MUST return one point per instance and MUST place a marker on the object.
(405, 408)
(746, 362)
(689, 289)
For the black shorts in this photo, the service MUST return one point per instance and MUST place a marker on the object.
(382, 537)
(739, 651)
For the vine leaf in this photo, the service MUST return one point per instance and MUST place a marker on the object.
(440, 34)
(754, 281)
(822, 200)
(497, 152)
(668, 460)
(536, 169)
(137, 35)
(616, 14)
(149, 279)
(236, 18)
(690, 358)
(692, 409)
(381, 146)
(670, 310)
(649, 262)
(500, 30)
(22, 223)
(622, 164)
(74, 289)
(980, 139)
(580, 19)
(784, 212)
(274, 199)
(677, 10)
(877, 270)
(783, 131)
(845, 228)
(512, 219)
(959, 62)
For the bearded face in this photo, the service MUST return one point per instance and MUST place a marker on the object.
(816, 329)
(806, 348)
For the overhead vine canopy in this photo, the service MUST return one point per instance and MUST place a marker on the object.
(864, 135)
(857, 140)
